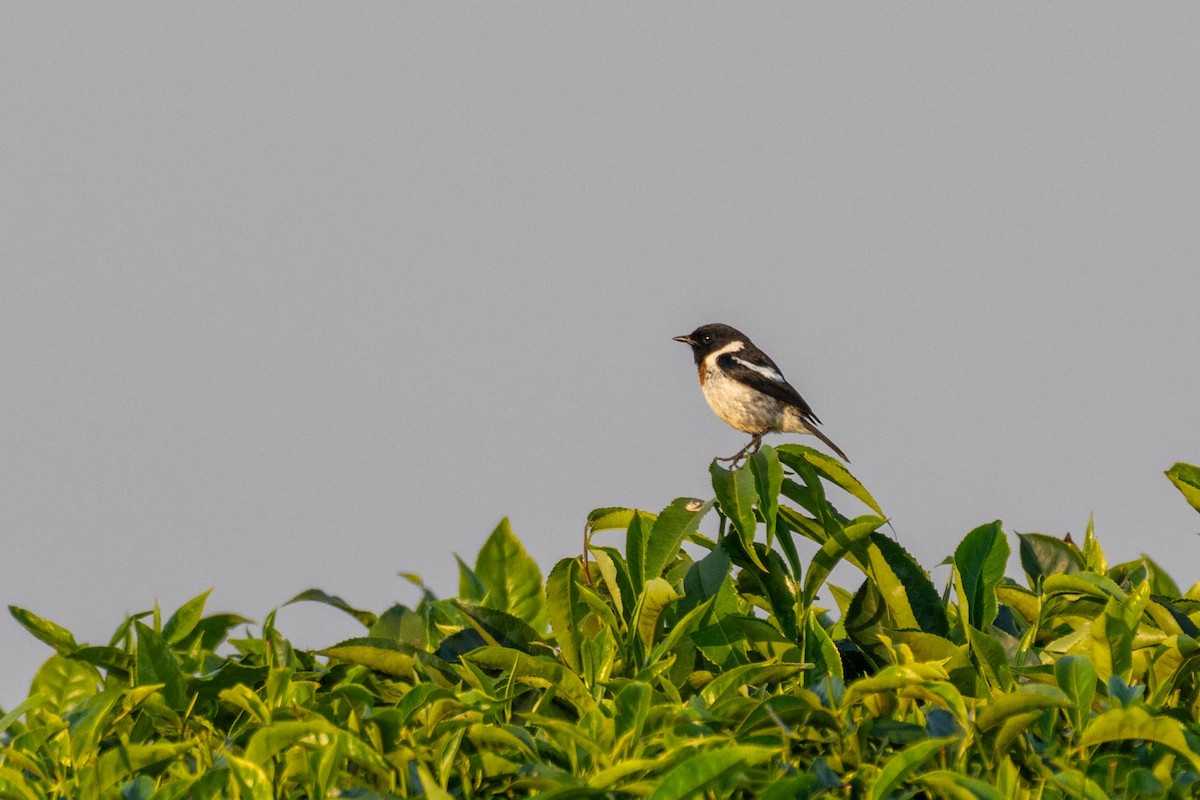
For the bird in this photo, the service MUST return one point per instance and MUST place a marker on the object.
(745, 388)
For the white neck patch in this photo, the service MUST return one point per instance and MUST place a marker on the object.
(732, 347)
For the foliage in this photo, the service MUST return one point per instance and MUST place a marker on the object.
(675, 666)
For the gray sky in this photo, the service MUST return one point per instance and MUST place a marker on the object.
(309, 295)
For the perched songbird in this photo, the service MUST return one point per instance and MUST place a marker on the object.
(745, 389)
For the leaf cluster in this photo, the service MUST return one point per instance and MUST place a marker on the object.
(672, 665)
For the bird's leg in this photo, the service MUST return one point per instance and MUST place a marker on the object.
(750, 448)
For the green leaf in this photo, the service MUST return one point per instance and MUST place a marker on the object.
(670, 529)
(1077, 678)
(243, 697)
(947, 783)
(979, 564)
(402, 624)
(768, 482)
(52, 634)
(736, 680)
(990, 656)
(566, 610)
(776, 587)
(631, 707)
(1144, 568)
(705, 578)
(1126, 724)
(609, 519)
(251, 780)
(832, 470)
(213, 629)
(1085, 583)
(865, 620)
(1043, 555)
(1078, 785)
(736, 496)
(1186, 478)
(1093, 555)
(128, 759)
(64, 683)
(705, 772)
(156, 663)
(381, 655)
(657, 595)
(90, 722)
(539, 672)
(184, 621)
(843, 542)
(905, 586)
(500, 627)
(269, 741)
(34, 701)
(1027, 699)
(616, 579)
(820, 650)
(512, 577)
(904, 763)
(317, 596)
(1112, 647)
(470, 586)
(637, 540)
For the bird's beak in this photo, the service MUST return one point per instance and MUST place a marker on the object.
(685, 339)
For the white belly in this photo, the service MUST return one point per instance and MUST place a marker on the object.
(744, 409)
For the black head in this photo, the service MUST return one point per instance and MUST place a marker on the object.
(708, 338)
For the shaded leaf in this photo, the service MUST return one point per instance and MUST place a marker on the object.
(705, 771)
(156, 663)
(317, 596)
(1043, 555)
(904, 763)
(979, 563)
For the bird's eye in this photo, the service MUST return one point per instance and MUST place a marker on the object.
(706, 338)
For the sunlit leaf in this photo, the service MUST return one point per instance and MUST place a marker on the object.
(768, 481)
(1186, 478)
(1121, 724)
(49, 632)
(512, 577)
(566, 609)
(905, 586)
(736, 497)
(184, 620)
(64, 683)
(657, 595)
(1026, 699)
(832, 470)
(670, 528)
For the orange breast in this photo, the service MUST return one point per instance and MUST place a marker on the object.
(703, 372)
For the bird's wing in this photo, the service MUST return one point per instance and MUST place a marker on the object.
(767, 379)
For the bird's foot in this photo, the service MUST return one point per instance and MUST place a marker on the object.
(750, 449)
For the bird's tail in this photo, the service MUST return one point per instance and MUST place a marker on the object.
(796, 422)
(813, 430)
